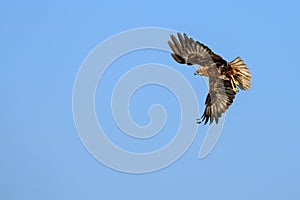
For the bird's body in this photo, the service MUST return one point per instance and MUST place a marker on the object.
(224, 77)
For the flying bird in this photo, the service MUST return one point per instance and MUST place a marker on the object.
(224, 77)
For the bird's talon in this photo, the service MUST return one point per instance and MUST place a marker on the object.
(233, 85)
(235, 81)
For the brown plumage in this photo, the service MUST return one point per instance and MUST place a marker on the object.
(223, 76)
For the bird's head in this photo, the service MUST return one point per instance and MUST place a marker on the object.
(202, 71)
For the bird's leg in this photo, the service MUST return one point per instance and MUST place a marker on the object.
(233, 85)
(235, 82)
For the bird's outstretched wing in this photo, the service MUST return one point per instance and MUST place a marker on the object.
(190, 52)
(218, 100)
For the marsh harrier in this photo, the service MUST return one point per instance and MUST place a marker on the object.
(224, 77)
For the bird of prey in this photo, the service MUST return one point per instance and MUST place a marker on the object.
(224, 77)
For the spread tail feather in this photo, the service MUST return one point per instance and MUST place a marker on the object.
(242, 73)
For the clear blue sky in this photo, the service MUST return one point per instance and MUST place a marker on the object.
(42, 47)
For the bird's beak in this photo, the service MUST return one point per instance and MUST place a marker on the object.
(195, 73)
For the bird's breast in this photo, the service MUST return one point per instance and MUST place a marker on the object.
(212, 71)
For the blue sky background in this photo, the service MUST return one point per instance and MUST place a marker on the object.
(42, 47)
